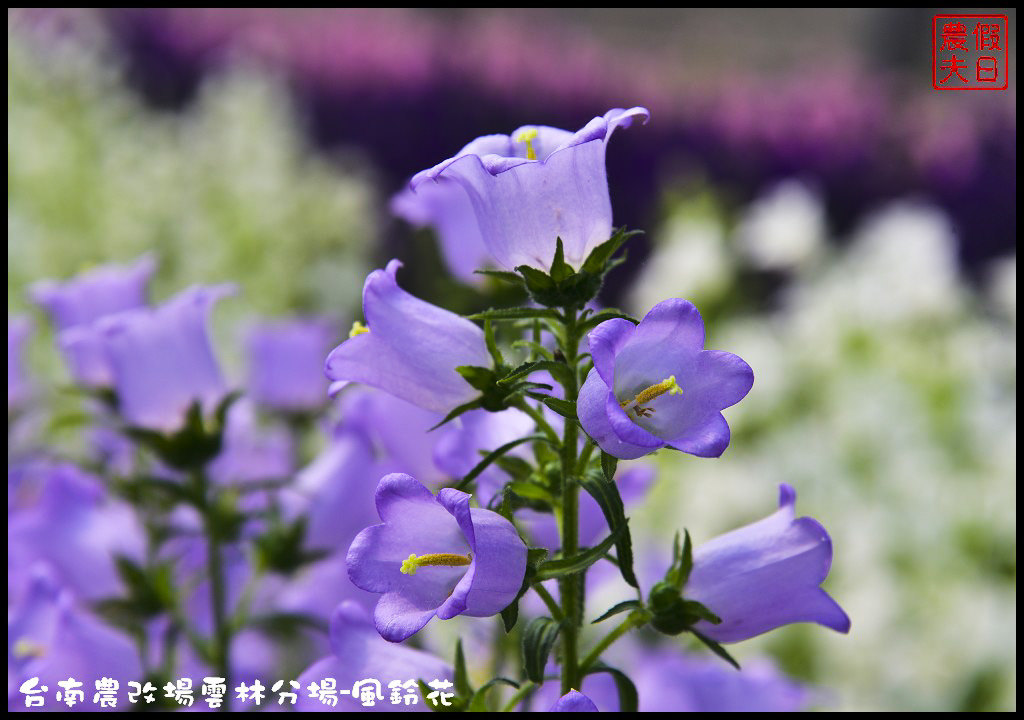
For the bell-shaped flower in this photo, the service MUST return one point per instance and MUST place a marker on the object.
(408, 348)
(359, 653)
(95, 293)
(434, 556)
(574, 701)
(162, 359)
(765, 575)
(653, 385)
(536, 185)
(286, 364)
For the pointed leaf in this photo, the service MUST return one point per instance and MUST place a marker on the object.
(580, 562)
(538, 639)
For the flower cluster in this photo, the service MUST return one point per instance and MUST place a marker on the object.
(493, 443)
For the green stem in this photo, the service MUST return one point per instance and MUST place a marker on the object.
(522, 692)
(569, 587)
(556, 612)
(221, 641)
(634, 620)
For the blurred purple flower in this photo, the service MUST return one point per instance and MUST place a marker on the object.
(52, 638)
(574, 701)
(251, 452)
(409, 348)
(75, 528)
(445, 207)
(535, 185)
(434, 556)
(654, 385)
(286, 364)
(765, 575)
(18, 385)
(95, 293)
(162, 360)
(358, 653)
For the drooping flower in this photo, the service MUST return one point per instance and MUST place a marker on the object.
(162, 360)
(51, 637)
(536, 185)
(95, 293)
(286, 364)
(358, 653)
(574, 701)
(434, 556)
(409, 348)
(445, 207)
(764, 575)
(653, 385)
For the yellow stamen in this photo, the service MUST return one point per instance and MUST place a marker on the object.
(411, 563)
(668, 385)
(357, 329)
(26, 648)
(528, 135)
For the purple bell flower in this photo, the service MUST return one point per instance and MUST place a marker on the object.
(765, 575)
(434, 556)
(358, 653)
(95, 293)
(409, 347)
(162, 360)
(574, 701)
(535, 185)
(286, 364)
(653, 385)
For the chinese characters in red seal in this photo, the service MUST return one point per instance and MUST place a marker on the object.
(970, 52)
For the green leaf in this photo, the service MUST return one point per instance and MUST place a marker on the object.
(620, 608)
(492, 344)
(629, 699)
(534, 557)
(717, 649)
(557, 369)
(606, 493)
(503, 275)
(609, 463)
(603, 315)
(535, 347)
(463, 408)
(682, 562)
(538, 639)
(578, 563)
(494, 455)
(462, 687)
(524, 313)
(481, 378)
(478, 703)
(597, 262)
(565, 408)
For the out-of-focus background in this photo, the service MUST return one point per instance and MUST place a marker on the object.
(842, 226)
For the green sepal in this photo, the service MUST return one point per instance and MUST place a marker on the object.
(620, 608)
(194, 445)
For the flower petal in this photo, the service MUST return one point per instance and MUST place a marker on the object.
(591, 407)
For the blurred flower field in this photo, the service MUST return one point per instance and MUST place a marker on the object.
(883, 346)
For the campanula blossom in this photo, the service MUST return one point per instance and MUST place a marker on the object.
(574, 701)
(408, 348)
(162, 359)
(653, 385)
(95, 293)
(536, 185)
(286, 361)
(765, 575)
(434, 556)
(357, 652)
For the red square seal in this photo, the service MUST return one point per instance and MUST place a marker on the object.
(970, 52)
